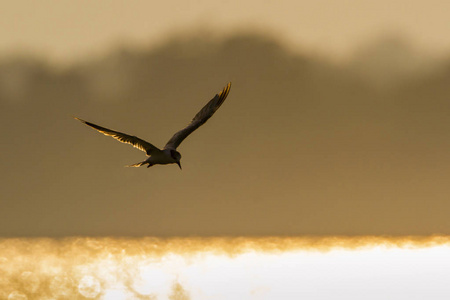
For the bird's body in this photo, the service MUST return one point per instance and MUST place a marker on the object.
(163, 157)
(168, 155)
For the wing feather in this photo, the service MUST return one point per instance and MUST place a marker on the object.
(124, 138)
(200, 118)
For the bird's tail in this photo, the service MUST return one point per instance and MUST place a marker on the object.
(138, 164)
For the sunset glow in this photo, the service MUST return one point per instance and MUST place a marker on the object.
(220, 268)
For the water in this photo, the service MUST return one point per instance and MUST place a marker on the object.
(226, 268)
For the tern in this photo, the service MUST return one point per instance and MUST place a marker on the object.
(168, 155)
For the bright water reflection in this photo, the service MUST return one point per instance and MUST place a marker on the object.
(216, 268)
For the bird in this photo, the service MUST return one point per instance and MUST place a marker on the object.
(169, 154)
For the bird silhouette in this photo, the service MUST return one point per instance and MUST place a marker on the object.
(169, 154)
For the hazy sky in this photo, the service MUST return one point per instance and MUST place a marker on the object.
(301, 145)
(67, 30)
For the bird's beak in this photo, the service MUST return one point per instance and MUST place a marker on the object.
(178, 163)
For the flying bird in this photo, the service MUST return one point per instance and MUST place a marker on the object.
(168, 155)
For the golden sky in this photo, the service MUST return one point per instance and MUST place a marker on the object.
(301, 146)
(69, 30)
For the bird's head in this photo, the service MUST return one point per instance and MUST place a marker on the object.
(176, 156)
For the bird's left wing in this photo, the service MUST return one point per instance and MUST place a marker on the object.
(200, 118)
(124, 138)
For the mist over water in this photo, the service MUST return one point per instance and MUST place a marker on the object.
(301, 146)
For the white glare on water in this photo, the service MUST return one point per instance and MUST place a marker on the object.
(234, 268)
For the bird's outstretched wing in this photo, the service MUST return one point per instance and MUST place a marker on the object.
(124, 138)
(200, 118)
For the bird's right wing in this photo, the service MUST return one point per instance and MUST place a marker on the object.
(124, 138)
(200, 118)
